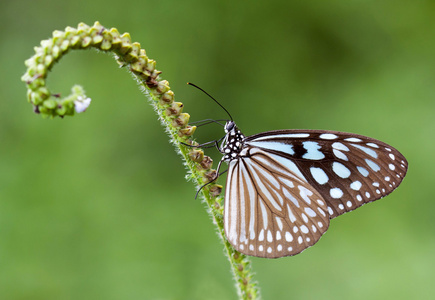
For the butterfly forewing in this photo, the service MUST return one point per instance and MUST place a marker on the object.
(348, 170)
(284, 186)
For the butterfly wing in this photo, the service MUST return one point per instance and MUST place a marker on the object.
(270, 211)
(347, 169)
(285, 186)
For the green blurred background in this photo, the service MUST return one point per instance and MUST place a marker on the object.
(96, 206)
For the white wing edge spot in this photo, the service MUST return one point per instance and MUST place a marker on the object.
(354, 140)
(356, 185)
(328, 136)
(284, 136)
(336, 193)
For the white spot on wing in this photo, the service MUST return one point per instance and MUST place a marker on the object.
(340, 170)
(354, 140)
(340, 154)
(372, 145)
(363, 171)
(263, 214)
(269, 236)
(319, 175)
(330, 211)
(291, 215)
(336, 193)
(279, 222)
(282, 136)
(310, 212)
(305, 193)
(372, 165)
(261, 235)
(287, 182)
(290, 196)
(312, 151)
(356, 185)
(339, 146)
(281, 147)
(328, 136)
(321, 211)
(366, 150)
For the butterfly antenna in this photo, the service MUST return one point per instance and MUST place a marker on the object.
(211, 98)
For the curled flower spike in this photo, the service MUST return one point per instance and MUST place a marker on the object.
(131, 56)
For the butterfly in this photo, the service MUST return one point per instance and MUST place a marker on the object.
(283, 187)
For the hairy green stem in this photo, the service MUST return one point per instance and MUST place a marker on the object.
(130, 56)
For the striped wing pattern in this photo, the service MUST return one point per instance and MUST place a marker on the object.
(284, 186)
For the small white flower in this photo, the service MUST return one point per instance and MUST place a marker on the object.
(81, 104)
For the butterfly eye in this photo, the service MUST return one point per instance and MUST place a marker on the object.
(229, 126)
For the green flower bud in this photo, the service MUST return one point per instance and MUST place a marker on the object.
(50, 103)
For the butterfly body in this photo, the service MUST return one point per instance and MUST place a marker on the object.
(284, 186)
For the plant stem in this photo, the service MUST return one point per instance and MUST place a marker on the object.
(130, 55)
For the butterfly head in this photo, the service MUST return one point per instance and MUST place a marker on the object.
(229, 126)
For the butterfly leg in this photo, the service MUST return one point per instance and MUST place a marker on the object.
(205, 145)
(212, 180)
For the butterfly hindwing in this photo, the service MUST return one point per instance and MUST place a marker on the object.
(270, 209)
